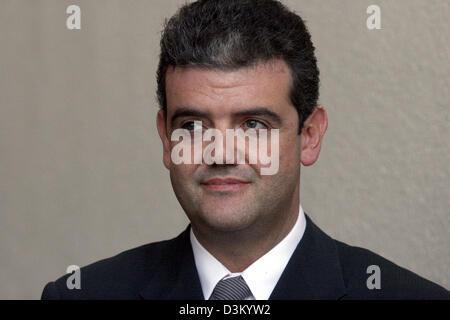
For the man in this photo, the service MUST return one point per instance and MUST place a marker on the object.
(242, 65)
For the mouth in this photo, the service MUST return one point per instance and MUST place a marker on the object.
(225, 184)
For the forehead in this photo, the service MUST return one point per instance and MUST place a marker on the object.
(265, 84)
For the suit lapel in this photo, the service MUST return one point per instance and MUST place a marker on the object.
(176, 277)
(314, 270)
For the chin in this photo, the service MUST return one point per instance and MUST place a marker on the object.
(228, 220)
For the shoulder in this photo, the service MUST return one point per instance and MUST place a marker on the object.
(119, 277)
(360, 266)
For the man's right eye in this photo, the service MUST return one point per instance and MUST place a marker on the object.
(192, 125)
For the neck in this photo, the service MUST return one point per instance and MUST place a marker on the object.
(237, 250)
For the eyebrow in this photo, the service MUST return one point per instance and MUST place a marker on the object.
(256, 111)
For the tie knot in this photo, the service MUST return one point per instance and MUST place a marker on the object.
(234, 288)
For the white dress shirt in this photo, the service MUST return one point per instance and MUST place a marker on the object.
(261, 276)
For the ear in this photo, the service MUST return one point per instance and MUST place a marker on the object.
(162, 130)
(312, 133)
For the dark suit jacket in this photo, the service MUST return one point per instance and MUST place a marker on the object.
(320, 268)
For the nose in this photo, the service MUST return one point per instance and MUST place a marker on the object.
(224, 146)
(215, 146)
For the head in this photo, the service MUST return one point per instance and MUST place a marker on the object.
(239, 64)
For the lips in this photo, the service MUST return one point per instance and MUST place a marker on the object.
(225, 184)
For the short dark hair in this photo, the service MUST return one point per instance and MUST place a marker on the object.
(231, 34)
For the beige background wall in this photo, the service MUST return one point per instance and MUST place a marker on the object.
(81, 176)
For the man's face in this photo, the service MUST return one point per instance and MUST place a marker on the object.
(231, 100)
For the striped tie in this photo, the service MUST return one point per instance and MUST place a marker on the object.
(231, 289)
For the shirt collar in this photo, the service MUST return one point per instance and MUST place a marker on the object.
(262, 275)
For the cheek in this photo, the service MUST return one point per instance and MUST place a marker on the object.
(290, 154)
(183, 173)
(290, 150)
(183, 179)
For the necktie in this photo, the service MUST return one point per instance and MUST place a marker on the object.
(231, 289)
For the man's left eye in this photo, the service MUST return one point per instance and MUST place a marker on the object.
(254, 124)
